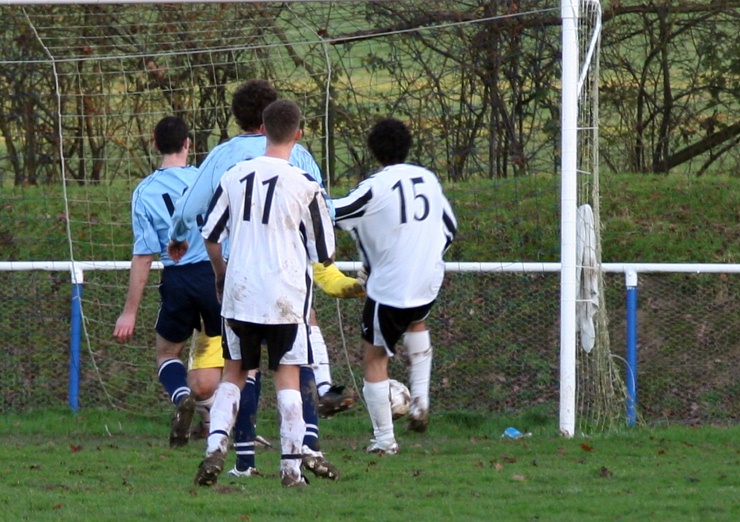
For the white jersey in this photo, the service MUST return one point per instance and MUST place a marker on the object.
(403, 224)
(277, 222)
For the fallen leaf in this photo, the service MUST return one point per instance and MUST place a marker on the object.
(586, 447)
(498, 466)
(508, 459)
(75, 449)
(520, 478)
(605, 472)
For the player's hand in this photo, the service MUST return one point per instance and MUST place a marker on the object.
(176, 249)
(124, 329)
(362, 274)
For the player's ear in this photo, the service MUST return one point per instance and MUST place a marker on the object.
(262, 129)
(298, 135)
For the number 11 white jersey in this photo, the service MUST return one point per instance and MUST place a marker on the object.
(277, 222)
(403, 224)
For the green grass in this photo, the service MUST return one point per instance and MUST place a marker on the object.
(110, 466)
(645, 218)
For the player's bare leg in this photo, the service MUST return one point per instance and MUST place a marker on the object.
(205, 366)
(203, 383)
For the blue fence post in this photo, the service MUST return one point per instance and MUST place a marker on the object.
(74, 340)
(631, 283)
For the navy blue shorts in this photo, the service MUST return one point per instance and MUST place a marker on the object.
(187, 299)
(383, 325)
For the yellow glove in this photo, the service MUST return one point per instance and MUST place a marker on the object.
(335, 283)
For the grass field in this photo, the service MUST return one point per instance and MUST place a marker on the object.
(109, 466)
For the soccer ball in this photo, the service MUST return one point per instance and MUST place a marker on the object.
(400, 399)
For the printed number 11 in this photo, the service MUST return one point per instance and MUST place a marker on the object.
(268, 198)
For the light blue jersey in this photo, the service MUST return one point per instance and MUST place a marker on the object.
(152, 206)
(190, 210)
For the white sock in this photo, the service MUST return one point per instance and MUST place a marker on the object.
(203, 408)
(377, 398)
(292, 430)
(223, 415)
(321, 367)
(419, 349)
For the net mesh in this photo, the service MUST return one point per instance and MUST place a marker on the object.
(477, 83)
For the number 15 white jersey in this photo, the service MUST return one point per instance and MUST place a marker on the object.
(277, 222)
(403, 224)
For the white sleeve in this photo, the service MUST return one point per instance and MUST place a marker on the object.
(348, 209)
(216, 229)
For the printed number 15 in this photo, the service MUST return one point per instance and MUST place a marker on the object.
(418, 199)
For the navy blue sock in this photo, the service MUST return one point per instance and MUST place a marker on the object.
(244, 427)
(310, 414)
(257, 389)
(174, 377)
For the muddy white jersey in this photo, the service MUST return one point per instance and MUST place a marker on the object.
(403, 224)
(277, 222)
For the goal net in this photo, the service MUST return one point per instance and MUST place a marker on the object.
(85, 83)
(601, 393)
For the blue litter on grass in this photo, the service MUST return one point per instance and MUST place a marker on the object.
(513, 433)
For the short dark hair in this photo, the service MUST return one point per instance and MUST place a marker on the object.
(389, 141)
(249, 101)
(282, 118)
(170, 134)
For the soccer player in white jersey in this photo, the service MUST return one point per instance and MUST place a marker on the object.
(403, 224)
(277, 221)
(248, 103)
(187, 297)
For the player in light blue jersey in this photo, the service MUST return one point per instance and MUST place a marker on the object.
(248, 102)
(188, 297)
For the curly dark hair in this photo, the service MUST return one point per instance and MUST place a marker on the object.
(248, 102)
(389, 141)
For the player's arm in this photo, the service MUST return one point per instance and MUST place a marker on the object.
(214, 232)
(215, 254)
(192, 204)
(138, 277)
(450, 222)
(348, 209)
(332, 281)
(320, 231)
